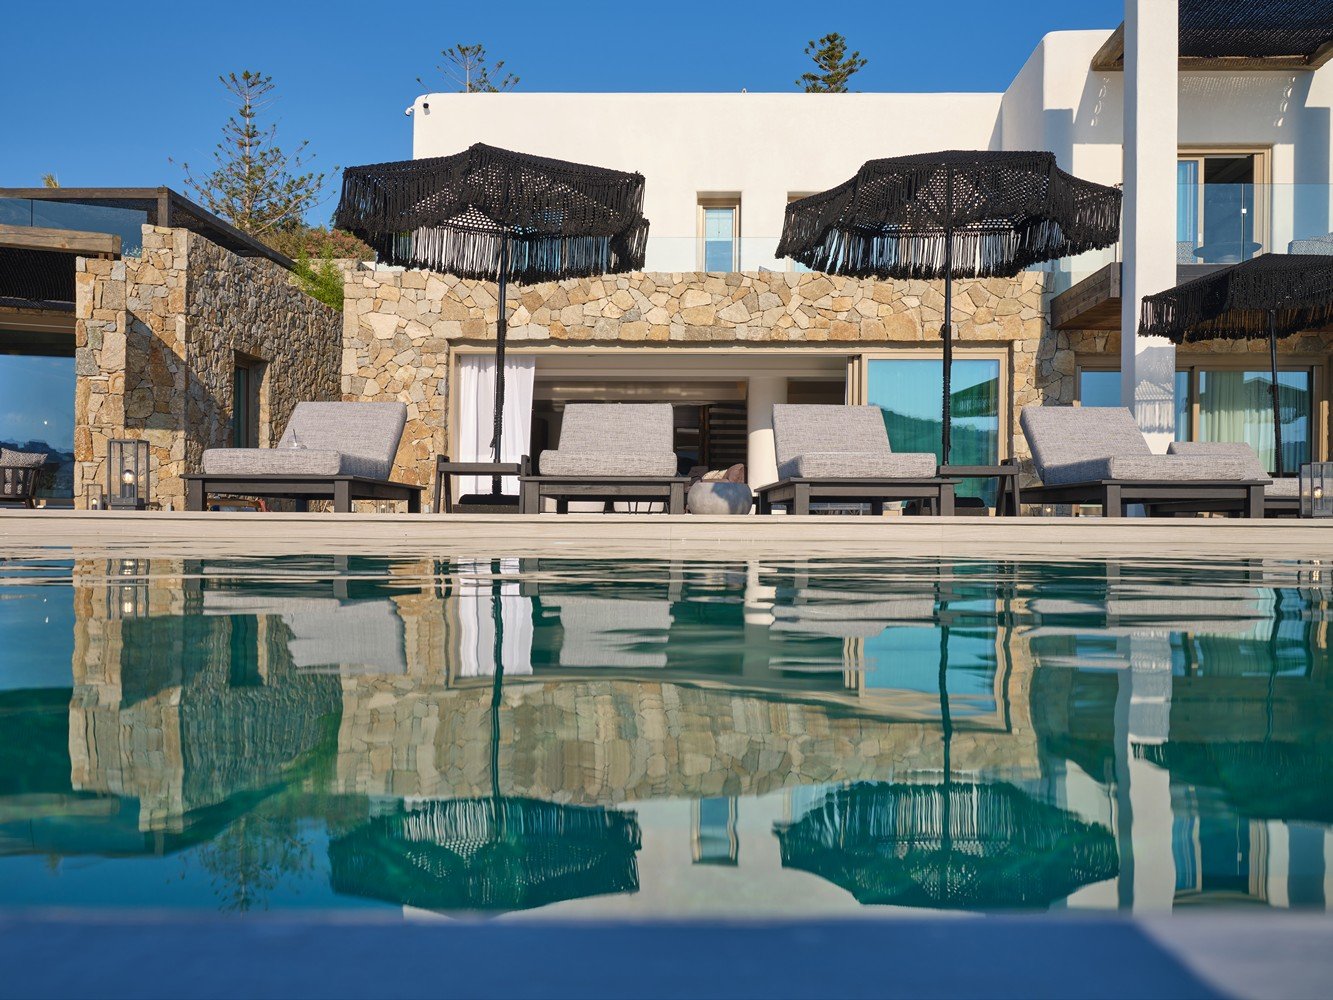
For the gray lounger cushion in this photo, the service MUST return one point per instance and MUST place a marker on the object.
(322, 439)
(286, 462)
(601, 440)
(862, 465)
(1082, 444)
(1254, 469)
(1146, 469)
(818, 441)
(575, 463)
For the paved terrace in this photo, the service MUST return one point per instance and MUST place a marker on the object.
(638, 535)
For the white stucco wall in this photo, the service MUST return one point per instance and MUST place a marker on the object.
(763, 147)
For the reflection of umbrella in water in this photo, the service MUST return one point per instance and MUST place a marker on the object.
(956, 845)
(496, 853)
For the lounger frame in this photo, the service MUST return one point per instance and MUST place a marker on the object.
(798, 494)
(342, 490)
(637, 489)
(1244, 497)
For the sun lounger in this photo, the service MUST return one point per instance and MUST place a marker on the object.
(609, 452)
(841, 454)
(1098, 456)
(331, 451)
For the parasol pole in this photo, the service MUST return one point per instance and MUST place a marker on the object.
(1273, 388)
(946, 726)
(946, 331)
(501, 328)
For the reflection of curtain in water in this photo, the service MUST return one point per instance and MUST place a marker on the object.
(476, 416)
(476, 618)
(1236, 406)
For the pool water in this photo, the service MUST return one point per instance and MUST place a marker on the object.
(563, 738)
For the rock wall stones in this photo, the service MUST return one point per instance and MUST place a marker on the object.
(156, 344)
(400, 327)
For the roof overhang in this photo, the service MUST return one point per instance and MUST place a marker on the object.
(1220, 35)
(1094, 303)
(164, 207)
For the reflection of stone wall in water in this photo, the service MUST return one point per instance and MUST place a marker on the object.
(623, 740)
(183, 711)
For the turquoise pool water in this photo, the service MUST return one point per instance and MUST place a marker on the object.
(581, 738)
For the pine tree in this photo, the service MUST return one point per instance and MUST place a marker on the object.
(834, 67)
(466, 67)
(255, 185)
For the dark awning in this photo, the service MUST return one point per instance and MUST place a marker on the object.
(1243, 34)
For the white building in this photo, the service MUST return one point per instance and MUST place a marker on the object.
(1222, 157)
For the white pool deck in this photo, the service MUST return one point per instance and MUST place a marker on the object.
(629, 535)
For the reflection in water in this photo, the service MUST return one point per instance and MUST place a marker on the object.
(657, 737)
(956, 846)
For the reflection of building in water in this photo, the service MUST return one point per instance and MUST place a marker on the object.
(1196, 715)
(657, 681)
(180, 706)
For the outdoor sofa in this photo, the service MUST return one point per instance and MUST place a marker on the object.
(609, 452)
(18, 476)
(330, 451)
(1098, 456)
(841, 454)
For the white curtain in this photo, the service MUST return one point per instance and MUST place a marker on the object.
(476, 416)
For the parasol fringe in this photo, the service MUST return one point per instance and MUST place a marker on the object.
(1235, 303)
(450, 213)
(1010, 210)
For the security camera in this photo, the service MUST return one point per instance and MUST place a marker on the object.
(407, 111)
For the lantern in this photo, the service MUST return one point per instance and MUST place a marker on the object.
(127, 474)
(1316, 488)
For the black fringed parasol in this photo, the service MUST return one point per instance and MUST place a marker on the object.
(497, 215)
(983, 213)
(1269, 296)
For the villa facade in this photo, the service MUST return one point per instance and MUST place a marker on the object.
(184, 334)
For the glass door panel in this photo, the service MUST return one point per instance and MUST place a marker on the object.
(909, 390)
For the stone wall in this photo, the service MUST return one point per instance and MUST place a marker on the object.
(156, 340)
(400, 327)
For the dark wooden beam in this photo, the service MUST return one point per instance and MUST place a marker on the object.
(60, 240)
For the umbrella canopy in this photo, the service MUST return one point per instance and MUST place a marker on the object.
(1270, 296)
(963, 213)
(961, 845)
(497, 215)
(489, 854)
(455, 214)
(1280, 294)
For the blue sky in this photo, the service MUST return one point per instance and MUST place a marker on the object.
(103, 94)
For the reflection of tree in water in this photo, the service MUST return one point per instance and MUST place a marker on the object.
(254, 855)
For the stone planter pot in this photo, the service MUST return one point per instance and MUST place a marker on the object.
(719, 497)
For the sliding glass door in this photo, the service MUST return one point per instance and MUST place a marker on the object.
(1238, 406)
(909, 392)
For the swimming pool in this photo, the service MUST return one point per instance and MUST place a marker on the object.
(564, 738)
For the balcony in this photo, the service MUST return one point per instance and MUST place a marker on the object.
(1216, 225)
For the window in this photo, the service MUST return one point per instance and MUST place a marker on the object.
(1229, 404)
(719, 231)
(245, 402)
(909, 392)
(1220, 210)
